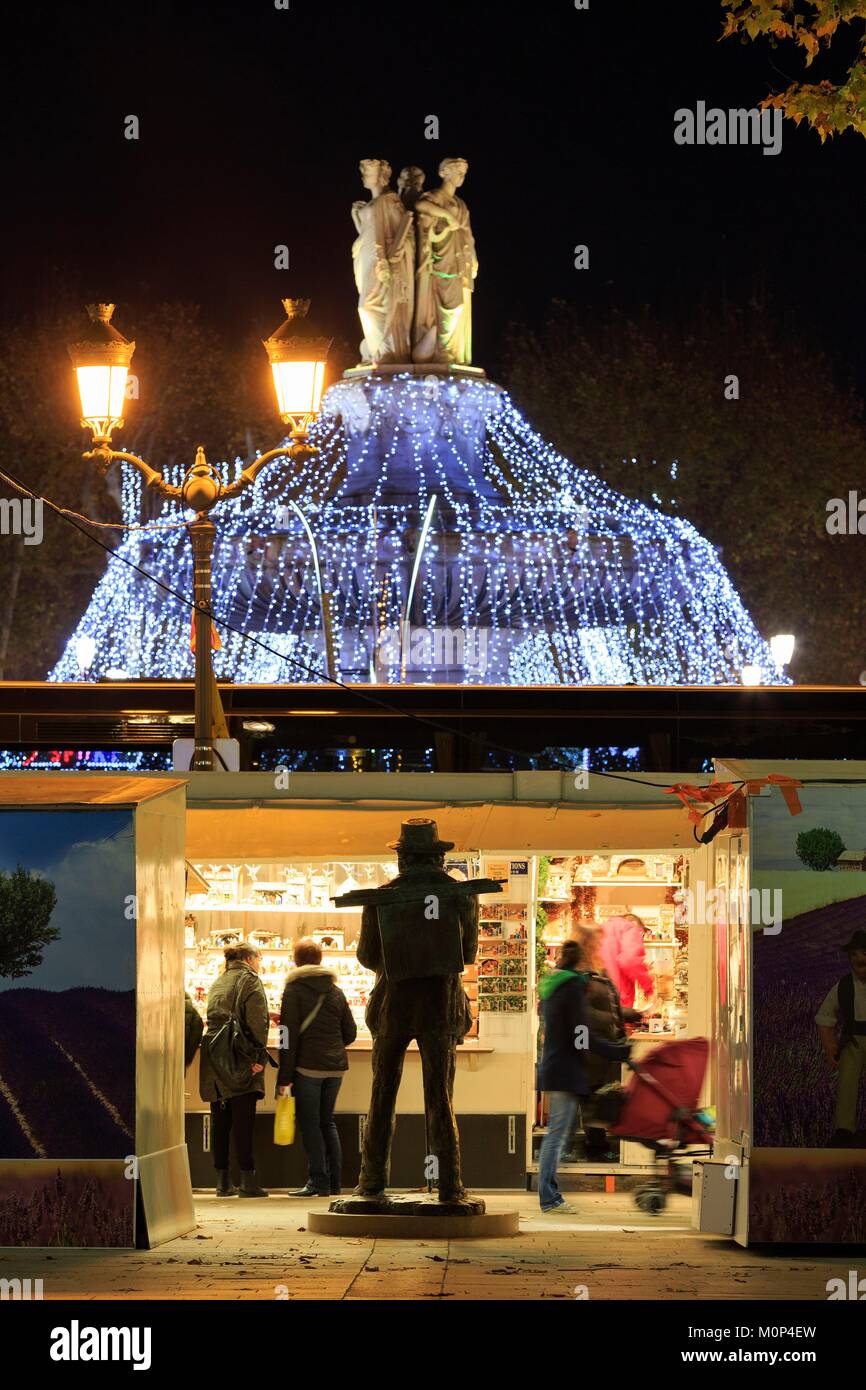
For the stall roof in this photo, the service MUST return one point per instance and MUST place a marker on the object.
(805, 769)
(601, 789)
(30, 789)
(323, 814)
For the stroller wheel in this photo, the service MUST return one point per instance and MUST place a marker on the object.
(650, 1199)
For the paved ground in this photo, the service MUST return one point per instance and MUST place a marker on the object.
(261, 1250)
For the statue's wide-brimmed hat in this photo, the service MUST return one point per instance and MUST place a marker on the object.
(421, 837)
(857, 942)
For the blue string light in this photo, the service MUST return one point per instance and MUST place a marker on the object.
(538, 570)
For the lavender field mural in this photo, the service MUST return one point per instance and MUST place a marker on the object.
(807, 1197)
(66, 1204)
(794, 1087)
(67, 984)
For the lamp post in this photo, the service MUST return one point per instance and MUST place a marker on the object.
(101, 362)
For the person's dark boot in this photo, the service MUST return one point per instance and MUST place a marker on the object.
(224, 1185)
(250, 1184)
(308, 1191)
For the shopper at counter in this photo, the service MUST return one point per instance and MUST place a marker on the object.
(318, 1026)
(568, 1040)
(238, 994)
(606, 1017)
(624, 956)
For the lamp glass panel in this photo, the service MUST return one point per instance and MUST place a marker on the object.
(103, 391)
(298, 386)
(318, 384)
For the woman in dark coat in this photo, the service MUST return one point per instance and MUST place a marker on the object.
(317, 1027)
(607, 1018)
(237, 993)
(568, 1042)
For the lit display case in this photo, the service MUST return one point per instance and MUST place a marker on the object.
(596, 887)
(272, 904)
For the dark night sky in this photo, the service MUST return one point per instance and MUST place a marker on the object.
(253, 121)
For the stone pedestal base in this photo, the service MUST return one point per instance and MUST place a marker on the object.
(422, 369)
(414, 1204)
(418, 1217)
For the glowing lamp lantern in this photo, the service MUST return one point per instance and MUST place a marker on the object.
(85, 652)
(101, 365)
(298, 355)
(782, 647)
(751, 675)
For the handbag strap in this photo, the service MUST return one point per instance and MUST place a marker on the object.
(311, 1015)
(234, 1003)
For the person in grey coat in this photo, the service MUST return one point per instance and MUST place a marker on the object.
(237, 993)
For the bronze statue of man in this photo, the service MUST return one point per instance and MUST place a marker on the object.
(418, 946)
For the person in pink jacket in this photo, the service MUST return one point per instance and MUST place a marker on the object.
(624, 957)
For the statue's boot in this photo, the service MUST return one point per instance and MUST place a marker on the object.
(452, 1194)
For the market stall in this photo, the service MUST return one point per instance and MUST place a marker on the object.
(248, 884)
(748, 940)
(789, 871)
(91, 1011)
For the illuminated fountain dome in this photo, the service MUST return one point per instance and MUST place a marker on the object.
(531, 571)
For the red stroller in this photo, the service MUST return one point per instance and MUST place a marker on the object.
(659, 1110)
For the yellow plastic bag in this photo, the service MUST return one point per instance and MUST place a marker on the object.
(284, 1120)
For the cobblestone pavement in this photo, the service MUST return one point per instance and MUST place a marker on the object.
(262, 1250)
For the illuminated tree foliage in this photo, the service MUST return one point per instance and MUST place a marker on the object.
(811, 25)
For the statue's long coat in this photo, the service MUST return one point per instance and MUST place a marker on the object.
(435, 1003)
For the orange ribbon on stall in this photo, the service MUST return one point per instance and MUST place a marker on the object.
(698, 800)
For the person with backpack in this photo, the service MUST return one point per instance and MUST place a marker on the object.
(316, 1028)
(841, 1022)
(233, 1059)
(568, 1040)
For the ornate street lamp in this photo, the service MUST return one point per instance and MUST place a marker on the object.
(297, 354)
(298, 359)
(101, 367)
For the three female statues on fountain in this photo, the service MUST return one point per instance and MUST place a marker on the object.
(415, 266)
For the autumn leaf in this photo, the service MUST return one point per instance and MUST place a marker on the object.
(811, 25)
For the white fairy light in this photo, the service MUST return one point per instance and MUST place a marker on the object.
(568, 580)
